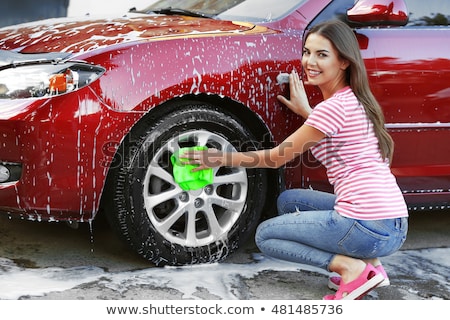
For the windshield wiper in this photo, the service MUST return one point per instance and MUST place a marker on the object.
(176, 11)
(14, 59)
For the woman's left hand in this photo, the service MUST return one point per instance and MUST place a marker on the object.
(298, 101)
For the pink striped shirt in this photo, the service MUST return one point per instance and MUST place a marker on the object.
(363, 183)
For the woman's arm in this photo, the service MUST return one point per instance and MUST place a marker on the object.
(294, 145)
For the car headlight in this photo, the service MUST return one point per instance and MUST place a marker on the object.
(42, 80)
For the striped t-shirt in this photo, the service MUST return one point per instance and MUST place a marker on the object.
(363, 183)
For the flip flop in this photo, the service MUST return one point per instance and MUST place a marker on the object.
(357, 288)
(334, 282)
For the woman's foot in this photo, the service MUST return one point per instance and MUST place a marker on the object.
(369, 279)
(335, 281)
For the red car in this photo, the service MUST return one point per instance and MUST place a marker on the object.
(92, 109)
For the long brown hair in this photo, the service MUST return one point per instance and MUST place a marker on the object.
(344, 40)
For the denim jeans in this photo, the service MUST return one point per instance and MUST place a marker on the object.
(308, 230)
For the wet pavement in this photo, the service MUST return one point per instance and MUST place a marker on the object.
(40, 260)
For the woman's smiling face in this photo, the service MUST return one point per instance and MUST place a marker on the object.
(322, 64)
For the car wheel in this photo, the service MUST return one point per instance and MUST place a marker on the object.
(166, 224)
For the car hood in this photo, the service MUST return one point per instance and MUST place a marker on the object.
(85, 34)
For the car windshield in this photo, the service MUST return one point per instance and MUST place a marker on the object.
(243, 10)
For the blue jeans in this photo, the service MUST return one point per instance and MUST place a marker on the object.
(309, 231)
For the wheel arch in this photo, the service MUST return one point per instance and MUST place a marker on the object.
(249, 118)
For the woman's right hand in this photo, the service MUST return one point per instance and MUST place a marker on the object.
(203, 159)
(298, 101)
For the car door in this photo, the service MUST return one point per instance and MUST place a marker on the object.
(409, 73)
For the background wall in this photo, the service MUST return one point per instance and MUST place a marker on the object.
(93, 7)
(19, 11)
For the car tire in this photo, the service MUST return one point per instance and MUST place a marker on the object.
(166, 224)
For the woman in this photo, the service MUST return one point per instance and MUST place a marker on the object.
(366, 218)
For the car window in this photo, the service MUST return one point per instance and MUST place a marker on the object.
(209, 8)
(421, 13)
(260, 10)
(428, 13)
(335, 10)
(242, 10)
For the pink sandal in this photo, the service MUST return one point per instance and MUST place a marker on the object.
(334, 282)
(357, 288)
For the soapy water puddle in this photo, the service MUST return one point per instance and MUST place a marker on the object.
(219, 279)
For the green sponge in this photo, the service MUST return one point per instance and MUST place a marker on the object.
(183, 175)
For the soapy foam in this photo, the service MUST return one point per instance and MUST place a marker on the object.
(219, 279)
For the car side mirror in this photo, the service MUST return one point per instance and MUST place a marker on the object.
(378, 13)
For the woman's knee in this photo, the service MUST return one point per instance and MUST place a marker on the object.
(288, 201)
(294, 200)
(259, 235)
(269, 229)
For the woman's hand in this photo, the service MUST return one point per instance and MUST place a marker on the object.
(205, 159)
(298, 101)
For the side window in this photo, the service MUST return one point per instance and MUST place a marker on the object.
(421, 12)
(428, 13)
(335, 10)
